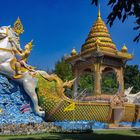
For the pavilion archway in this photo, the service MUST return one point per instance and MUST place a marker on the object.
(84, 82)
(109, 80)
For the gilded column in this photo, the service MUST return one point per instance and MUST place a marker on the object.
(97, 81)
(120, 79)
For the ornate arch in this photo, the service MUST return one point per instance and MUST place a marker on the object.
(116, 71)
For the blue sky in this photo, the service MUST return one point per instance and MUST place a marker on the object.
(59, 25)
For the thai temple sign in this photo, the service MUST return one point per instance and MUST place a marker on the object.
(98, 55)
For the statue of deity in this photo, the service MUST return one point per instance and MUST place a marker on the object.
(22, 62)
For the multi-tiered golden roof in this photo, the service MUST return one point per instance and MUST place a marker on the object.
(99, 32)
(100, 40)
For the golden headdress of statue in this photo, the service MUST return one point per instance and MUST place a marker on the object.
(30, 44)
(18, 27)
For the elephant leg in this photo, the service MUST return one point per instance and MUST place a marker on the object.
(29, 85)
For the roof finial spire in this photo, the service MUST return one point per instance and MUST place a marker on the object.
(99, 13)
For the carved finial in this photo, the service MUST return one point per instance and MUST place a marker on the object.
(18, 27)
(99, 13)
(124, 49)
(73, 52)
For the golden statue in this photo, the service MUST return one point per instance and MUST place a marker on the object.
(23, 59)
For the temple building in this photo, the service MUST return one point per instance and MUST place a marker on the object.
(99, 55)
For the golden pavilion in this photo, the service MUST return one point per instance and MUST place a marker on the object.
(99, 55)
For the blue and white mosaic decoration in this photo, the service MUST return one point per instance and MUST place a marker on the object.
(15, 105)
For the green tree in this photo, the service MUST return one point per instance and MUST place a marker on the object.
(63, 70)
(122, 9)
(86, 81)
(132, 77)
(109, 83)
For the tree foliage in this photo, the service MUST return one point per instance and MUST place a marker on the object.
(122, 9)
(63, 70)
(109, 83)
(132, 77)
(86, 81)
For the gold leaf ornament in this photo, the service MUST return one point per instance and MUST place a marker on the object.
(18, 27)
